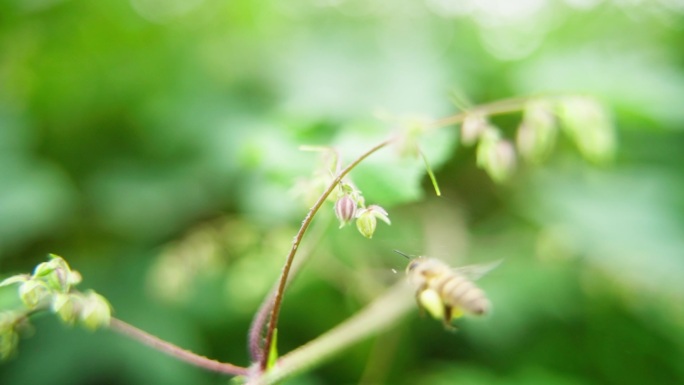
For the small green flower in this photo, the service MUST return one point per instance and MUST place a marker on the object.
(33, 292)
(367, 220)
(66, 306)
(57, 274)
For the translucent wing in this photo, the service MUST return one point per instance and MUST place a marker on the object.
(475, 272)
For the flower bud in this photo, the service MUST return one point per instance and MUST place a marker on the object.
(96, 311)
(589, 125)
(366, 224)
(473, 126)
(496, 156)
(367, 220)
(66, 306)
(32, 293)
(345, 209)
(537, 132)
(57, 274)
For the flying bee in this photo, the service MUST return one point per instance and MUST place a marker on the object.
(447, 292)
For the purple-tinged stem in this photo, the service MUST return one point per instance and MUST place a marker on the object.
(175, 351)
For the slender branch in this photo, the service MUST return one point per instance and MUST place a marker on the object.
(278, 298)
(379, 315)
(175, 351)
(256, 329)
(499, 107)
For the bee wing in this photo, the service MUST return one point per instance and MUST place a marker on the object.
(475, 272)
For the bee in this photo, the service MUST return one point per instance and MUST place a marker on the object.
(447, 292)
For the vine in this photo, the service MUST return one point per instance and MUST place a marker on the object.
(51, 287)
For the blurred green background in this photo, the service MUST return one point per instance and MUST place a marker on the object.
(154, 144)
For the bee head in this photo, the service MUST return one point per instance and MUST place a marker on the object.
(412, 265)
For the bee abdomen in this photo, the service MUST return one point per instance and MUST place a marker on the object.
(459, 291)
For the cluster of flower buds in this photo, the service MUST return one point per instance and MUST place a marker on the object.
(50, 287)
(350, 206)
(582, 119)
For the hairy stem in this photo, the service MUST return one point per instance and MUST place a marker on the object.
(256, 329)
(278, 297)
(175, 351)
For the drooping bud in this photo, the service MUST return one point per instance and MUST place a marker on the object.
(589, 125)
(367, 220)
(496, 156)
(473, 126)
(366, 224)
(96, 311)
(345, 209)
(66, 306)
(537, 132)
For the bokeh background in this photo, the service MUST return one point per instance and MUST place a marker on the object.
(154, 144)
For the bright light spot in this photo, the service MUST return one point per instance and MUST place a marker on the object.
(511, 43)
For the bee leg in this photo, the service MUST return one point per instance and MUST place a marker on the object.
(421, 309)
(448, 313)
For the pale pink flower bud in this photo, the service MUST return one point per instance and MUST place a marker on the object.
(345, 209)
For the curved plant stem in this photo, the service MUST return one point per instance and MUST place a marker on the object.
(278, 296)
(256, 329)
(175, 351)
(379, 315)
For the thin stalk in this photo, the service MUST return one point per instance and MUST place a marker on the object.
(506, 106)
(379, 315)
(278, 297)
(261, 316)
(175, 351)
